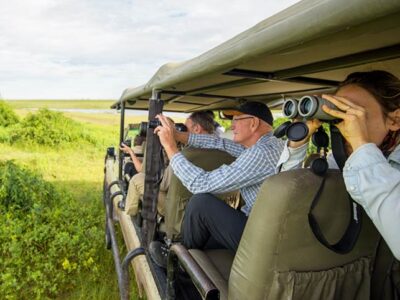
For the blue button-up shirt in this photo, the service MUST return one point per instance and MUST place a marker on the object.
(246, 173)
(374, 182)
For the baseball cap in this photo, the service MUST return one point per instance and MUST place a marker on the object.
(256, 109)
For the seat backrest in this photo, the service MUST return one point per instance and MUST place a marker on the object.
(280, 258)
(178, 195)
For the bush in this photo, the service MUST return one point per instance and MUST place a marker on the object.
(46, 238)
(50, 128)
(20, 189)
(7, 115)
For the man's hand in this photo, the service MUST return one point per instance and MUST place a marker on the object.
(166, 132)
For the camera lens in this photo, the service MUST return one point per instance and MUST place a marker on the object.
(180, 127)
(289, 108)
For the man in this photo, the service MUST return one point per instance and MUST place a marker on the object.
(197, 123)
(209, 222)
(201, 122)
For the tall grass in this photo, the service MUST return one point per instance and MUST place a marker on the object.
(7, 115)
(79, 104)
(76, 169)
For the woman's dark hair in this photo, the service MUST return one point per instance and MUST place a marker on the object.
(385, 87)
(205, 119)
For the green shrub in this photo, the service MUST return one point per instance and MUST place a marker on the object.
(20, 188)
(50, 128)
(46, 239)
(279, 121)
(7, 115)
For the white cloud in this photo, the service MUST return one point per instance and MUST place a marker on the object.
(97, 48)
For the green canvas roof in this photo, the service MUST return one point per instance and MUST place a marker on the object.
(307, 48)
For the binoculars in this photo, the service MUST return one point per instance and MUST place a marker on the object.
(308, 107)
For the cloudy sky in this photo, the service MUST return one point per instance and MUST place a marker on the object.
(94, 49)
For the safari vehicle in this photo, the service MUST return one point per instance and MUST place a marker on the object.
(306, 49)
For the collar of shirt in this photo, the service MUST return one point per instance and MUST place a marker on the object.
(394, 157)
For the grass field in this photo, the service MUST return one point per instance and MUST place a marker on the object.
(78, 104)
(77, 170)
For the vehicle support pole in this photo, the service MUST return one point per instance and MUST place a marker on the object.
(204, 285)
(114, 248)
(121, 138)
(153, 172)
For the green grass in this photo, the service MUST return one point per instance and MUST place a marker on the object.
(78, 170)
(79, 104)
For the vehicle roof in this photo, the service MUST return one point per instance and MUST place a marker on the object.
(307, 48)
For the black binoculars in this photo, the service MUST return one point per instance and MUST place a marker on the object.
(308, 107)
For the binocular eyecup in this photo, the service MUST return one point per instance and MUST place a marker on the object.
(295, 131)
(308, 107)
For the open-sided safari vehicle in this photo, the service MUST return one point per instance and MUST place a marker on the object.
(304, 50)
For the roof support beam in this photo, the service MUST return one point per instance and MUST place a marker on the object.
(352, 60)
(268, 76)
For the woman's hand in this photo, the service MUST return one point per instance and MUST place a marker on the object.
(166, 133)
(354, 124)
(126, 149)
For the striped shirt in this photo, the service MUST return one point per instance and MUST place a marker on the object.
(251, 167)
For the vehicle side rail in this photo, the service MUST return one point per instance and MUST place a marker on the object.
(180, 255)
(122, 269)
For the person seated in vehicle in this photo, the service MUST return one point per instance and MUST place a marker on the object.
(135, 165)
(368, 103)
(198, 123)
(210, 222)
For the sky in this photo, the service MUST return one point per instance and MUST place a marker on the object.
(94, 49)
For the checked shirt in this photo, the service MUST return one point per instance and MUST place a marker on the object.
(251, 167)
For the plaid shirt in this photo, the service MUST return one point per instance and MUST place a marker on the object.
(246, 173)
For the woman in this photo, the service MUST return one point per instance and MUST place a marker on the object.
(369, 106)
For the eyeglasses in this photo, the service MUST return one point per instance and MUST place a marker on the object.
(238, 119)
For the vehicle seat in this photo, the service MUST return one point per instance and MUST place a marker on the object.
(178, 195)
(280, 258)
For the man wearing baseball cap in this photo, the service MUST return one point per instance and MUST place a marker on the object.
(210, 222)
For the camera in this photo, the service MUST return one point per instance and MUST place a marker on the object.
(128, 143)
(308, 107)
(154, 123)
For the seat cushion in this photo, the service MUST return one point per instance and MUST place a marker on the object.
(217, 265)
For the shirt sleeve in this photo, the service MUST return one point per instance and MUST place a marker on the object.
(250, 168)
(210, 141)
(375, 184)
(291, 158)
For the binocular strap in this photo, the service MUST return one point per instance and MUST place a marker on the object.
(350, 236)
